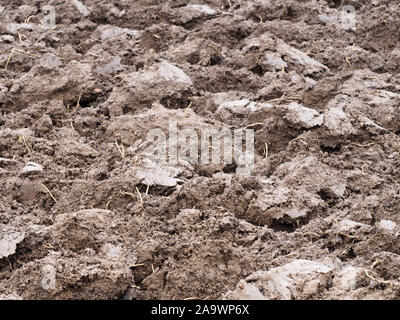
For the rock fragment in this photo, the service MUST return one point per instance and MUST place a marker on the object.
(298, 57)
(299, 279)
(9, 239)
(81, 8)
(32, 167)
(302, 116)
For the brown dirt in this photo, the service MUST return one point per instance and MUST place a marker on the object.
(317, 219)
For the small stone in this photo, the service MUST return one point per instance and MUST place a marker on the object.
(305, 117)
(348, 226)
(7, 39)
(9, 239)
(338, 122)
(32, 167)
(116, 13)
(81, 8)
(172, 73)
(49, 277)
(298, 57)
(113, 67)
(162, 176)
(299, 279)
(387, 225)
(201, 8)
(110, 32)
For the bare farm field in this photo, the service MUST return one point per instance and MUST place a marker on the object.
(311, 209)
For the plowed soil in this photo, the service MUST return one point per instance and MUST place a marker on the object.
(83, 216)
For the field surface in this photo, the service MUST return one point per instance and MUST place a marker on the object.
(84, 215)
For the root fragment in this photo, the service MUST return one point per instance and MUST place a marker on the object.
(254, 124)
(188, 107)
(49, 192)
(363, 145)
(23, 139)
(9, 58)
(390, 283)
(266, 151)
(121, 149)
